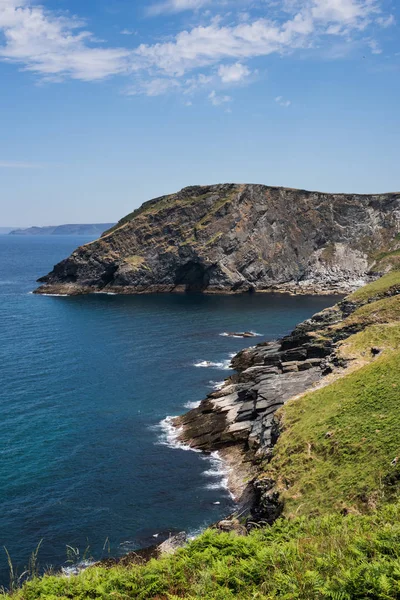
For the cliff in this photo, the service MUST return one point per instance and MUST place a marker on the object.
(346, 354)
(236, 238)
(79, 229)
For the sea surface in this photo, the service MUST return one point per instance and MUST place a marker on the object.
(85, 383)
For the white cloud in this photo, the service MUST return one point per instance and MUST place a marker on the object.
(56, 46)
(218, 100)
(386, 21)
(175, 6)
(374, 46)
(128, 32)
(154, 87)
(234, 73)
(282, 102)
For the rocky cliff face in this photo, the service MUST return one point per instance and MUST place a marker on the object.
(235, 238)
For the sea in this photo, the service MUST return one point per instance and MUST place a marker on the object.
(88, 461)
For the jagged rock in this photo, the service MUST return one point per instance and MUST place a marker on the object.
(172, 544)
(231, 525)
(235, 238)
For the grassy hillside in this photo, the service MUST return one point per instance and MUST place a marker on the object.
(336, 469)
(336, 557)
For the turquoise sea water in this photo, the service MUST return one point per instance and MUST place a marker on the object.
(85, 383)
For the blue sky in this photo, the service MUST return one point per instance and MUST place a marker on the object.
(107, 103)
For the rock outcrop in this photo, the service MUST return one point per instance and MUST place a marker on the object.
(235, 238)
(239, 419)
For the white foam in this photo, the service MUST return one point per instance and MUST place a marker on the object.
(169, 435)
(55, 295)
(191, 405)
(219, 473)
(226, 334)
(78, 568)
(207, 364)
(217, 385)
(107, 293)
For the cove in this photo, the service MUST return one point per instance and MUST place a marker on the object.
(85, 383)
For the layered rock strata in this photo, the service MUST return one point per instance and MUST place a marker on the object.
(239, 419)
(234, 238)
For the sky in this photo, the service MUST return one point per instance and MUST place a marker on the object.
(105, 104)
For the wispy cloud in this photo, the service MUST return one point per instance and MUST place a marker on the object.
(56, 46)
(14, 164)
(282, 102)
(217, 100)
(128, 32)
(375, 47)
(175, 6)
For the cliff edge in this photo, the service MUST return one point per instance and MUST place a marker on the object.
(235, 238)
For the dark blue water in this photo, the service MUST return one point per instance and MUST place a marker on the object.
(84, 383)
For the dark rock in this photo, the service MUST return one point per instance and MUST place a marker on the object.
(268, 507)
(236, 238)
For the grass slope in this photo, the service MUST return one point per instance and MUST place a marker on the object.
(339, 442)
(336, 557)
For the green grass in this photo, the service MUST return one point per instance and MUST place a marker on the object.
(348, 469)
(135, 261)
(386, 310)
(384, 336)
(336, 557)
(156, 206)
(377, 288)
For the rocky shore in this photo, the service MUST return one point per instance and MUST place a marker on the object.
(239, 420)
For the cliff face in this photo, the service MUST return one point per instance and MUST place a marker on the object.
(235, 238)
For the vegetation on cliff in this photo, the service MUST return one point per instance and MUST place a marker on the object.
(237, 238)
(334, 557)
(336, 466)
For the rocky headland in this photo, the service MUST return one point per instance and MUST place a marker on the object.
(240, 419)
(233, 238)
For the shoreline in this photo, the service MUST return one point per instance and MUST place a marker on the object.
(292, 288)
(238, 420)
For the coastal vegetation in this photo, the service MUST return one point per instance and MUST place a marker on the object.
(334, 556)
(336, 467)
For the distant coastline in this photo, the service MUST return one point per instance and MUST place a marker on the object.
(70, 229)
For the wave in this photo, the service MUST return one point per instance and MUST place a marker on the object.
(217, 470)
(219, 473)
(169, 435)
(217, 385)
(191, 405)
(207, 364)
(54, 295)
